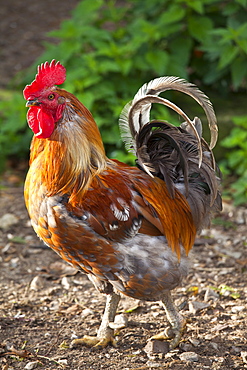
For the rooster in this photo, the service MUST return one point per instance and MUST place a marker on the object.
(129, 228)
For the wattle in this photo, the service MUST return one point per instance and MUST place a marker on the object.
(40, 122)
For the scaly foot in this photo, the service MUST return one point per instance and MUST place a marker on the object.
(94, 342)
(105, 334)
(177, 323)
(172, 334)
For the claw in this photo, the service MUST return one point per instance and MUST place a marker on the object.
(167, 334)
(93, 342)
(175, 334)
(105, 333)
(177, 323)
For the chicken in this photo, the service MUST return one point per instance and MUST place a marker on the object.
(129, 228)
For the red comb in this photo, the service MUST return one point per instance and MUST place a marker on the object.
(48, 75)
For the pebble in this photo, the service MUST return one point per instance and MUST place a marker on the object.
(195, 306)
(7, 248)
(241, 216)
(214, 345)
(19, 315)
(36, 283)
(8, 220)
(194, 342)
(244, 356)
(65, 283)
(31, 365)
(14, 262)
(156, 346)
(210, 294)
(155, 314)
(209, 336)
(189, 357)
(152, 364)
(236, 349)
(86, 312)
(237, 309)
(63, 362)
(186, 347)
(120, 322)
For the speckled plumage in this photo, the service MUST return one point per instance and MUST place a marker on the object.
(129, 228)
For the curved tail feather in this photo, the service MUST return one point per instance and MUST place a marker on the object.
(178, 155)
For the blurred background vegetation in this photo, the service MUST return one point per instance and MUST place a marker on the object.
(110, 48)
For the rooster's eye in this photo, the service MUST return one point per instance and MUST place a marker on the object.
(51, 96)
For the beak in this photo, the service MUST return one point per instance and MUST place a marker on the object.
(32, 103)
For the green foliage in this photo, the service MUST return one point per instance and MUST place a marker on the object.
(111, 48)
(236, 160)
(14, 136)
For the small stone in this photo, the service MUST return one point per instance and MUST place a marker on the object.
(195, 306)
(156, 346)
(120, 322)
(186, 347)
(210, 294)
(214, 345)
(36, 283)
(63, 362)
(7, 248)
(8, 220)
(169, 355)
(74, 336)
(14, 262)
(233, 254)
(31, 365)
(236, 349)
(65, 283)
(237, 309)
(244, 356)
(151, 364)
(189, 357)
(194, 342)
(138, 352)
(86, 312)
(155, 314)
(209, 336)
(241, 216)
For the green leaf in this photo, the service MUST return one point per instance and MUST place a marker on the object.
(124, 65)
(199, 27)
(238, 71)
(180, 50)
(240, 121)
(230, 8)
(242, 2)
(228, 54)
(173, 14)
(158, 61)
(197, 5)
(87, 11)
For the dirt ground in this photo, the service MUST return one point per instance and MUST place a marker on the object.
(23, 29)
(44, 303)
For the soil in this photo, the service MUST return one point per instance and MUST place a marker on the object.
(23, 29)
(45, 303)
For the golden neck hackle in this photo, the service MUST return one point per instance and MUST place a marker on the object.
(73, 155)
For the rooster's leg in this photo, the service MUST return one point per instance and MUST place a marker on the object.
(105, 333)
(177, 322)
